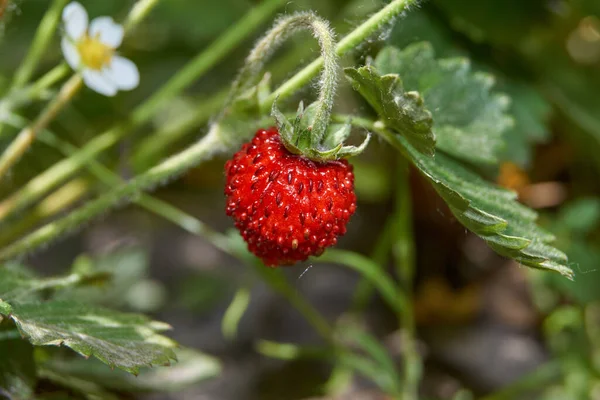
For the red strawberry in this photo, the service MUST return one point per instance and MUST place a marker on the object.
(286, 206)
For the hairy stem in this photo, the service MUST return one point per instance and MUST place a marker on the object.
(170, 168)
(266, 46)
(27, 136)
(368, 28)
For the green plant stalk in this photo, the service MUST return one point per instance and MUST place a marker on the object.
(41, 40)
(403, 250)
(62, 170)
(236, 310)
(380, 255)
(27, 136)
(383, 17)
(67, 195)
(47, 80)
(283, 29)
(290, 351)
(151, 148)
(138, 12)
(17, 98)
(372, 272)
(202, 150)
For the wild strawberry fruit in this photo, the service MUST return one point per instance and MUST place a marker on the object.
(286, 206)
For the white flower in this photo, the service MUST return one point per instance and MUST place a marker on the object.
(91, 51)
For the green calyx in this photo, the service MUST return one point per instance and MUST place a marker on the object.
(310, 133)
(302, 138)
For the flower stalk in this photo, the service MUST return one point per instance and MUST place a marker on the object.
(27, 135)
(283, 29)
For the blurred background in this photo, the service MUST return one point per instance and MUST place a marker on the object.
(484, 323)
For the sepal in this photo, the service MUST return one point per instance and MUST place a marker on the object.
(297, 137)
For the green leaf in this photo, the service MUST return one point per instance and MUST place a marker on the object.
(126, 341)
(469, 120)
(17, 369)
(400, 110)
(489, 211)
(192, 367)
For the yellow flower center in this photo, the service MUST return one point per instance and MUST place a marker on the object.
(94, 54)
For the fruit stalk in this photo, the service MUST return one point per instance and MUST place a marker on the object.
(283, 29)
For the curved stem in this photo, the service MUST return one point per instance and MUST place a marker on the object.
(368, 28)
(266, 46)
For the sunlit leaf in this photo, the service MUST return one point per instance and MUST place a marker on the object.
(469, 120)
(126, 341)
(489, 211)
(401, 110)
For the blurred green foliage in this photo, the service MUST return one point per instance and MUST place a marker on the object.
(543, 55)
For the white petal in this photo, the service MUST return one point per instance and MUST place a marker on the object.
(107, 30)
(70, 52)
(75, 19)
(123, 73)
(96, 81)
